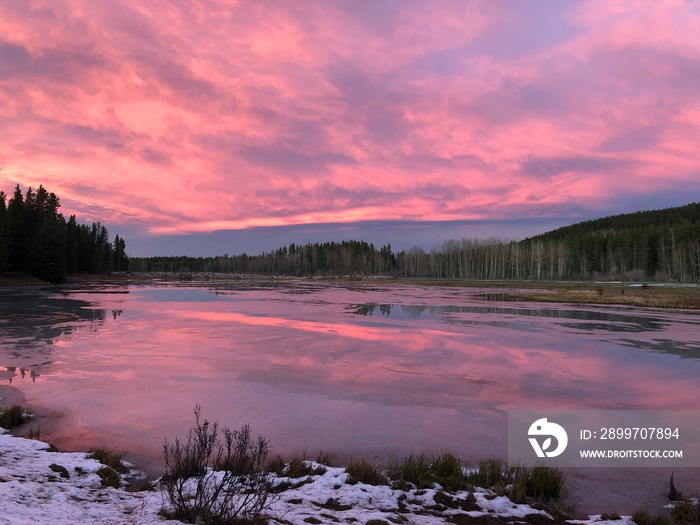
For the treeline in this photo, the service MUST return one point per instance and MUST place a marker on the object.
(661, 245)
(36, 240)
(330, 258)
(688, 214)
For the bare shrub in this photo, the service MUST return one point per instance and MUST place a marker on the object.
(216, 477)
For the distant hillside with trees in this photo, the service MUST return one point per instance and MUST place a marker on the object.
(36, 240)
(662, 245)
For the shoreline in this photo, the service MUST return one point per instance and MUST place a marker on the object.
(684, 296)
(45, 487)
(653, 483)
(625, 492)
(46, 422)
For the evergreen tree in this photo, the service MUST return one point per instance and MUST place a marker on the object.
(120, 262)
(103, 248)
(72, 245)
(49, 253)
(17, 234)
(35, 239)
(662, 245)
(4, 236)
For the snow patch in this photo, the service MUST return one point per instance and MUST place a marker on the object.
(34, 490)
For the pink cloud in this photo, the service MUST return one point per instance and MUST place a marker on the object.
(192, 117)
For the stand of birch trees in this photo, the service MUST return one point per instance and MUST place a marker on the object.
(659, 245)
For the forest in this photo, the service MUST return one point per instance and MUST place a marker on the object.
(36, 240)
(658, 245)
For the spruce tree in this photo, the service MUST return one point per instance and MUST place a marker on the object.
(4, 237)
(48, 261)
(16, 232)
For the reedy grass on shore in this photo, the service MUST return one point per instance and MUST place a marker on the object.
(15, 416)
(444, 470)
(653, 295)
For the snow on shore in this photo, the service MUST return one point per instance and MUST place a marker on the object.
(31, 491)
(34, 489)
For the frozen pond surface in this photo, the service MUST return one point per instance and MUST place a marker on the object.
(366, 369)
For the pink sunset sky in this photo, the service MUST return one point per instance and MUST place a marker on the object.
(210, 127)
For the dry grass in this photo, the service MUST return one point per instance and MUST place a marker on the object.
(109, 477)
(583, 292)
(15, 416)
(644, 517)
(296, 468)
(520, 484)
(490, 473)
(108, 457)
(423, 471)
(325, 458)
(647, 296)
(686, 512)
(362, 471)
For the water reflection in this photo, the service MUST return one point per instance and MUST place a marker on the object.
(11, 372)
(369, 309)
(358, 369)
(625, 320)
(686, 350)
(33, 321)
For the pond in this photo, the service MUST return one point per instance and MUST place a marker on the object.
(376, 370)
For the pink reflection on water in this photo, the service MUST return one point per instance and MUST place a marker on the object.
(310, 372)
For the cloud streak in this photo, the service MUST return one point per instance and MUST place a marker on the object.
(179, 117)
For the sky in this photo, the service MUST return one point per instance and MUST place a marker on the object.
(208, 127)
